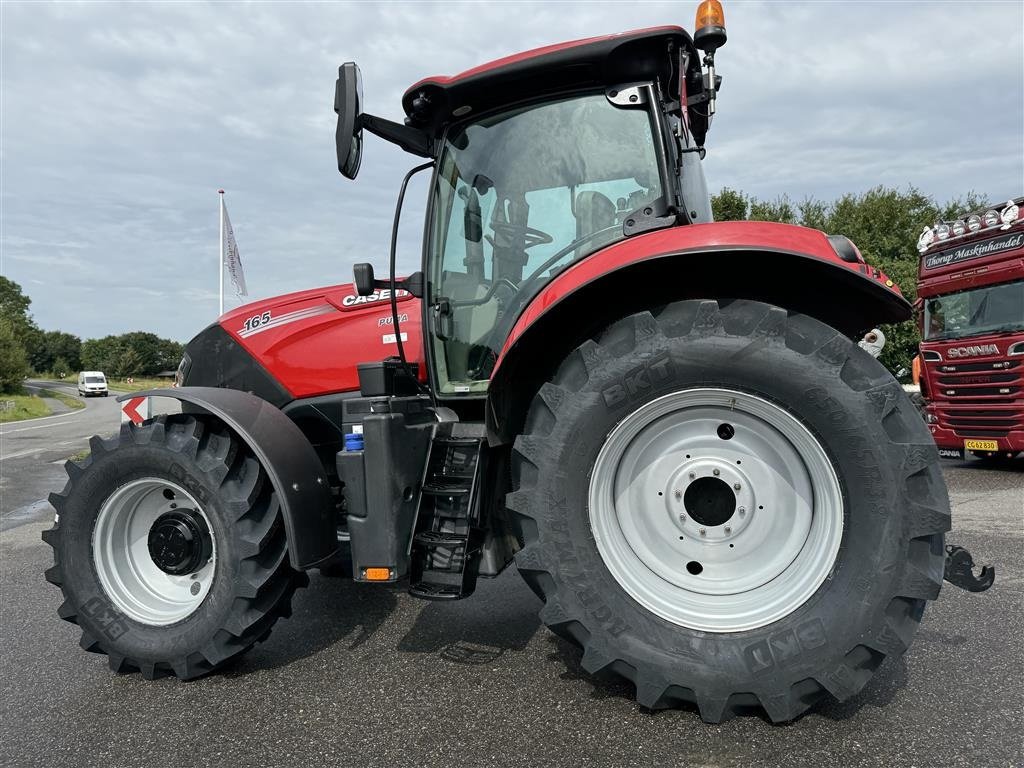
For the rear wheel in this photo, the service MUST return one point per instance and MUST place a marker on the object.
(170, 549)
(729, 505)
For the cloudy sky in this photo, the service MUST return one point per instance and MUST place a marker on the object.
(121, 120)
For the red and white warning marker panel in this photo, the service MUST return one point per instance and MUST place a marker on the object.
(135, 410)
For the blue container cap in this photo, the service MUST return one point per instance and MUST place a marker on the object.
(353, 442)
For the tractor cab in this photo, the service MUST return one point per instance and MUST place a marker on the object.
(539, 160)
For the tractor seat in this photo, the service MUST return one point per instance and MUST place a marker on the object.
(594, 212)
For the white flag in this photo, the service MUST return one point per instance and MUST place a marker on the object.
(232, 258)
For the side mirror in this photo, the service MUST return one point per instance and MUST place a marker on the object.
(348, 104)
(363, 273)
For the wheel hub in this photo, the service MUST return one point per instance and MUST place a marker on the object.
(710, 499)
(179, 542)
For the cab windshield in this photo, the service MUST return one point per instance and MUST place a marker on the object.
(519, 196)
(992, 309)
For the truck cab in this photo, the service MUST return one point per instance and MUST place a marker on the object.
(971, 314)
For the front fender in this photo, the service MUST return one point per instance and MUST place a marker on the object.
(288, 457)
(792, 267)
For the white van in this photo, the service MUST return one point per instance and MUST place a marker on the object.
(92, 383)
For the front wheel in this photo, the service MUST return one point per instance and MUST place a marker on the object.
(731, 505)
(169, 548)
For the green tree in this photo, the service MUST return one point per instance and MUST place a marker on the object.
(100, 354)
(13, 363)
(62, 367)
(14, 306)
(883, 222)
(51, 345)
(150, 354)
(128, 363)
(729, 205)
(777, 210)
(169, 355)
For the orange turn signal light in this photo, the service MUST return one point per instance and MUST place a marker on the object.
(377, 574)
(709, 14)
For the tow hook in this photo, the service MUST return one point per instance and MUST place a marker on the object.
(960, 571)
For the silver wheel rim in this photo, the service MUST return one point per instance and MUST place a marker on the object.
(660, 490)
(126, 570)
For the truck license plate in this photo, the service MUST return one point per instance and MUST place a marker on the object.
(981, 445)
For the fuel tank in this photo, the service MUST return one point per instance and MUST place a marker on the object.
(302, 344)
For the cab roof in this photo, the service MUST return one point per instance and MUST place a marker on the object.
(575, 65)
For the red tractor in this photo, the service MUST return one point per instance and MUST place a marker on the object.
(666, 422)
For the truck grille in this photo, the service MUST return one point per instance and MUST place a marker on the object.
(997, 382)
(971, 398)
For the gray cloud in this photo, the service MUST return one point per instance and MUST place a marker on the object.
(120, 122)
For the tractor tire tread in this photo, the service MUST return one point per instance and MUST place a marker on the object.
(765, 325)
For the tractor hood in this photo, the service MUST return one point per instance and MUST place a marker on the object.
(302, 344)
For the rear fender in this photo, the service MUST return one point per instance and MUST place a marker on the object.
(793, 267)
(290, 461)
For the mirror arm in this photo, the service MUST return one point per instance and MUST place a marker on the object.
(366, 283)
(410, 139)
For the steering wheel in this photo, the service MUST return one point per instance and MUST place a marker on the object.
(556, 257)
(531, 235)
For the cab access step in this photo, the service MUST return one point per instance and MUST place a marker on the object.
(447, 541)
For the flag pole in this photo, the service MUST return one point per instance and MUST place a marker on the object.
(220, 256)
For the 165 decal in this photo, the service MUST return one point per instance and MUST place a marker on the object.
(254, 322)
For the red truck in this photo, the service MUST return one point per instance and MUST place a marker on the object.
(971, 301)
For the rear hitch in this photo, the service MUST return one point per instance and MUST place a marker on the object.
(960, 571)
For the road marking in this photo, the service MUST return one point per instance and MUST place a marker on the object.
(44, 426)
(22, 453)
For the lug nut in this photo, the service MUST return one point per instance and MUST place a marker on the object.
(703, 532)
(693, 475)
(679, 494)
(715, 472)
(682, 518)
(742, 511)
(728, 529)
(736, 486)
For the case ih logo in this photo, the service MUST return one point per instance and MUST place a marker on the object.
(974, 250)
(384, 294)
(982, 349)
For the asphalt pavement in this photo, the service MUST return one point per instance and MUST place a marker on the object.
(364, 675)
(32, 452)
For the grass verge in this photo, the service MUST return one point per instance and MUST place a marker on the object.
(21, 407)
(71, 402)
(137, 385)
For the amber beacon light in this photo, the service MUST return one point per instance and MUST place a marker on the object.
(709, 28)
